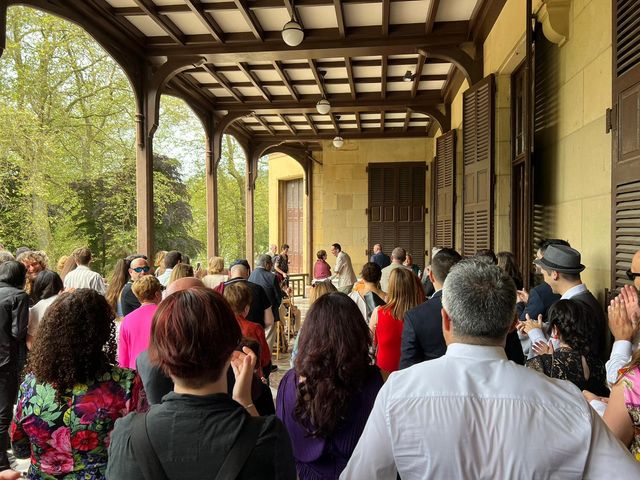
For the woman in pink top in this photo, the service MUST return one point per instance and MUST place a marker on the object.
(135, 330)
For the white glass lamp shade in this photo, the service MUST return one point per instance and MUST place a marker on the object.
(323, 106)
(292, 33)
(338, 142)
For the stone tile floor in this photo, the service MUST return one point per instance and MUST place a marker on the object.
(275, 377)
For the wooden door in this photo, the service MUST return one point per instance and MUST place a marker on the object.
(625, 122)
(477, 153)
(293, 224)
(397, 207)
(444, 191)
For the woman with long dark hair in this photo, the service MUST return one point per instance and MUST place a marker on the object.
(14, 318)
(507, 262)
(46, 288)
(570, 325)
(326, 399)
(73, 394)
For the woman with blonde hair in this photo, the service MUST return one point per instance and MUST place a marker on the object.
(181, 270)
(215, 273)
(387, 320)
(69, 266)
(158, 263)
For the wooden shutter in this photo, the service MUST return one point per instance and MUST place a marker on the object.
(477, 154)
(625, 189)
(444, 185)
(397, 206)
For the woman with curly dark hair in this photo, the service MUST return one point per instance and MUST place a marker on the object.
(326, 399)
(570, 326)
(73, 393)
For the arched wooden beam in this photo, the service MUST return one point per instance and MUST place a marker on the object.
(219, 131)
(472, 68)
(441, 118)
(259, 150)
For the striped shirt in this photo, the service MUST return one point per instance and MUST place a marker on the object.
(84, 277)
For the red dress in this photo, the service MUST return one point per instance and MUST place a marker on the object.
(388, 337)
(256, 332)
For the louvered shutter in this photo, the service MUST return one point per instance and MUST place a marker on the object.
(397, 206)
(444, 182)
(477, 153)
(626, 138)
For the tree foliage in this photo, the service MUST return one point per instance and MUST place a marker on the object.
(67, 154)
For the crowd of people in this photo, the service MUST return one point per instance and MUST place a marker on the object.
(163, 371)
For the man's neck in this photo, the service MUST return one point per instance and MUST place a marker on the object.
(219, 386)
(564, 287)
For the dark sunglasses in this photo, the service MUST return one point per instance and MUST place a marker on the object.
(632, 275)
(141, 269)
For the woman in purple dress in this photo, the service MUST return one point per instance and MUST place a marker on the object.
(326, 399)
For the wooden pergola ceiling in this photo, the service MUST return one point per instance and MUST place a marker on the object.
(355, 53)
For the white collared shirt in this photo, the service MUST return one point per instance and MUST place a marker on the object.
(83, 277)
(573, 291)
(474, 414)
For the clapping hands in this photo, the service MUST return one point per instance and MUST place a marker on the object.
(624, 314)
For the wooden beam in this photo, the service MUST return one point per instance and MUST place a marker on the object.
(352, 86)
(382, 119)
(206, 19)
(417, 75)
(483, 18)
(254, 80)
(383, 78)
(336, 127)
(359, 125)
(310, 122)
(265, 124)
(250, 18)
(337, 4)
(150, 9)
(352, 133)
(342, 103)
(319, 79)
(407, 119)
(285, 79)
(432, 12)
(386, 14)
(210, 69)
(326, 44)
(287, 123)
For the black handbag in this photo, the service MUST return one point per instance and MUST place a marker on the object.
(150, 465)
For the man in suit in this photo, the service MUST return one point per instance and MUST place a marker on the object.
(422, 337)
(379, 257)
(540, 298)
(561, 269)
(263, 276)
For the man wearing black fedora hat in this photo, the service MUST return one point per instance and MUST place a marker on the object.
(561, 269)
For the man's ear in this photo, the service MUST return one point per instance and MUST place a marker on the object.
(432, 276)
(447, 327)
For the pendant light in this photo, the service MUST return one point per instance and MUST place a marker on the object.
(292, 32)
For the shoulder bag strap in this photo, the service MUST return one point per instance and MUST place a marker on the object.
(241, 449)
(143, 450)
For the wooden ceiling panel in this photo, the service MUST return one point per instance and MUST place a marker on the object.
(308, 90)
(409, 12)
(399, 86)
(283, 91)
(299, 74)
(147, 26)
(266, 75)
(188, 23)
(436, 68)
(272, 19)
(230, 21)
(248, 91)
(366, 72)
(458, 10)
(202, 77)
(168, 2)
(430, 85)
(368, 87)
(319, 16)
(362, 14)
(334, 89)
(121, 3)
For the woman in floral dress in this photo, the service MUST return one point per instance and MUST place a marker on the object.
(73, 393)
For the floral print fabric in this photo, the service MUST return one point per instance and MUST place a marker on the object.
(68, 437)
(631, 387)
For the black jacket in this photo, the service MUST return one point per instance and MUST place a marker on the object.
(14, 319)
(268, 281)
(128, 300)
(541, 298)
(422, 337)
(192, 435)
(382, 259)
(595, 313)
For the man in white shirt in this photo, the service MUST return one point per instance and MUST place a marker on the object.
(626, 339)
(171, 259)
(474, 414)
(343, 269)
(82, 276)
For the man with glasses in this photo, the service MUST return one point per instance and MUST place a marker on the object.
(138, 268)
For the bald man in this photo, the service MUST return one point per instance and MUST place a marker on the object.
(184, 283)
(626, 341)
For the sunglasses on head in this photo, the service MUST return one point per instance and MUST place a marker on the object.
(141, 269)
(632, 275)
